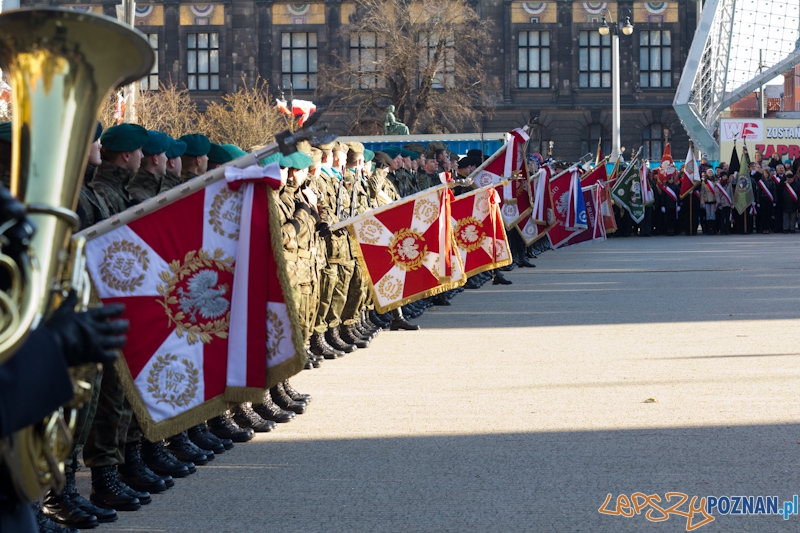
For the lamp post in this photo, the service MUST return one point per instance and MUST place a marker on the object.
(614, 30)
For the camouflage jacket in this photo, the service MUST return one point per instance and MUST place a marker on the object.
(109, 184)
(426, 181)
(143, 186)
(381, 189)
(336, 198)
(169, 181)
(91, 207)
(298, 230)
(357, 190)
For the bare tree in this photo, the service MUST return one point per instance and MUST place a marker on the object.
(426, 58)
(246, 118)
(169, 109)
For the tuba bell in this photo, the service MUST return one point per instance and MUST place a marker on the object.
(61, 65)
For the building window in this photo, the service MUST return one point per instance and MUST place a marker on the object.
(444, 70)
(366, 54)
(202, 55)
(150, 82)
(655, 59)
(534, 60)
(299, 60)
(652, 142)
(594, 59)
(595, 132)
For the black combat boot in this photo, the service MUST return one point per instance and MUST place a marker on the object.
(206, 440)
(163, 463)
(244, 415)
(269, 411)
(71, 490)
(348, 335)
(61, 509)
(224, 427)
(186, 451)
(135, 473)
(109, 492)
(377, 319)
(45, 525)
(399, 322)
(285, 402)
(321, 348)
(338, 344)
(294, 395)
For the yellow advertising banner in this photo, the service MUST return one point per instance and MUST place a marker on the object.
(768, 136)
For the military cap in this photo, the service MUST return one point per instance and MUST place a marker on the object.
(437, 145)
(217, 154)
(274, 158)
(416, 147)
(382, 159)
(408, 153)
(391, 151)
(316, 155)
(234, 151)
(124, 138)
(299, 160)
(176, 148)
(465, 162)
(157, 143)
(430, 154)
(196, 144)
(452, 155)
(5, 132)
(414, 156)
(98, 131)
(475, 153)
(305, 147)
(339, 146)
(355, 147)
(326, 146)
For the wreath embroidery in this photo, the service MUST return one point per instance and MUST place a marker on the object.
(216, 214)
(276, 333)
(192, 262)
(174, 381)
(120, 259)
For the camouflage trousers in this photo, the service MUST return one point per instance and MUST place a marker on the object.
(108, 433)
(306, 307)
(356, 297)
(329, 276)
(344, 270)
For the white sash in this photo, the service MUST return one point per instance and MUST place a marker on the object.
(765, 190)
(791, 191)
(724, 193)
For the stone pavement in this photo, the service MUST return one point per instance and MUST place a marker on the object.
(520, 408)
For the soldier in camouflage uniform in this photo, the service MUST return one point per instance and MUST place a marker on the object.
(194, 161)
(147, 181)
(174, 165)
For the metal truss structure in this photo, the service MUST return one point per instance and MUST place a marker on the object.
(738, 46)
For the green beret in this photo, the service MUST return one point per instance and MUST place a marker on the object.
(157, 143)
(234, 151)
(408, 153)
(416, 147)
(217, 154)
(196, 144)
(391, 151)
(274, 158)
(124, 138)
(437, 145)
(5, 132)
(285, 161)
(355, 147)
(368, 155)
(176, 148)
(99, 131)
(414, 156)
(316, 155)
(299, 160)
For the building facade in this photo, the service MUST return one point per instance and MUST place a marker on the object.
(553, 65)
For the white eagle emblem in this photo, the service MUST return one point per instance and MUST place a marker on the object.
(202, 297)
(469, 233)
(562, 204)
(408, 249)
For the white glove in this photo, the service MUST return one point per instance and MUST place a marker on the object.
(663, 209)
(677, 208)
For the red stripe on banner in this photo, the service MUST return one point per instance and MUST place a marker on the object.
(378, 260)
(431, 237)
(215, 367)
(259, 288)
(397, 218)
(463, 208)
(418, 281)
(158, 231)
(150, 327)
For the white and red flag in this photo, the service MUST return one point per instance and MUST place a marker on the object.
(478, 231)
(508, 164)
(175, 271)
(301, 109)
(689, 174)
(407, 248)
(667, 167)
(598, 173)
(542, 217)
(562, 189)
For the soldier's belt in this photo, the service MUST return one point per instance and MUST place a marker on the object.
(304, 254)
(291, 257)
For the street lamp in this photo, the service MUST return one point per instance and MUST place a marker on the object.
(614, 29)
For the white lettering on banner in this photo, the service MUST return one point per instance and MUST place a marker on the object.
(742, 130)
(784, 133)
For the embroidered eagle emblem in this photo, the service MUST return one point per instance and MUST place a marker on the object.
(408, 249)
(201, 296)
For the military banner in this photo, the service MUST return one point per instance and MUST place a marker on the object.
(690, 177)
(407, 248)
(667, 167)
(542, 218)
(743, 196)
(176, 272)
(627, 192)
(479, 232)
(564, 191)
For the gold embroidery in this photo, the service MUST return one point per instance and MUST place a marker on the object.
(225, 212)
(469, 233)
(275, 333)
(482, 205)
(426, 211)
(121, 262)
(485, 179)
(370, 231)
(408, 249)
(177, 310)
(180, 386)
(389, 287)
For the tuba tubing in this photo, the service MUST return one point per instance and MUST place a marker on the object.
(61, 65)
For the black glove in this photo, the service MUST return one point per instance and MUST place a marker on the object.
(88, 337)
(323, 229)
(17, 237)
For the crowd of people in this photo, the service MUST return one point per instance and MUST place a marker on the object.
(321, 185)
(710, 207)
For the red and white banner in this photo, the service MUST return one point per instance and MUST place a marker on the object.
(604, 221)
(407, 248)
(301, 109)
(175, 271)
(667, 167)
(597, 174)
(689, 174)
(560, 186)
(508, 163)
(478, 231)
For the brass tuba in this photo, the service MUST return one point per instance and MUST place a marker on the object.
(61, 65)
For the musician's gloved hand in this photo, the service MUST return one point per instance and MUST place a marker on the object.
(16, 238)
(323, 229)
(663, 209)
(90, 336)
